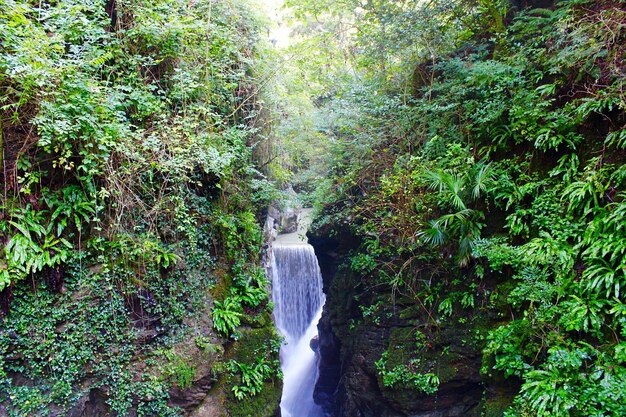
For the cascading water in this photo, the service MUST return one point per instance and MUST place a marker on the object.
(298, 301)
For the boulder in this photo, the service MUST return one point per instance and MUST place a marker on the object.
(289, 221)
(190, 398)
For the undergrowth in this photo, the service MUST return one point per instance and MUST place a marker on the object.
(130, 197)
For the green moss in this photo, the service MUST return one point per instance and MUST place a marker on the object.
(401, 345)
(263, 404)
(444, 365)
(220, 290)
(496, 406)
(251, 342)
(263, 319)
(256, 344)
(411, 312)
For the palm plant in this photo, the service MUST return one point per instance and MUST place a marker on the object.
(456, 192)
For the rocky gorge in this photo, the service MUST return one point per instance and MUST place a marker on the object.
(352, 341)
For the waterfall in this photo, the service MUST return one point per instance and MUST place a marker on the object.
(298, 301)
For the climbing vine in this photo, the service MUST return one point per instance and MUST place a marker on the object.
(130, 202)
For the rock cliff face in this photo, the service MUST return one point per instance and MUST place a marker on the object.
(207, 395)
(353, 339)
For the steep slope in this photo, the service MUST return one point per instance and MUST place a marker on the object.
(130, 278)
(475, 222)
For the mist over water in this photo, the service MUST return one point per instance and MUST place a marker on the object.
(298, 301)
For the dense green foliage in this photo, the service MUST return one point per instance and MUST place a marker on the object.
(478, 156)
(129, 203)
(474, 150)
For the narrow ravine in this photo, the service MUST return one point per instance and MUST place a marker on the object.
(298, 300)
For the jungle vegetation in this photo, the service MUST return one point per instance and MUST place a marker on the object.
(131, 206)
(476, 152)
(475, 149)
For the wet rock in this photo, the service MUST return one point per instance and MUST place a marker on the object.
(289, 221)
(91, 405)
(191, 398)
(270, 228)
(314, 344)
(349, 384)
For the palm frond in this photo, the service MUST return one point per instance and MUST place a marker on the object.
(436, 179)
(435, 234)
(483, 180)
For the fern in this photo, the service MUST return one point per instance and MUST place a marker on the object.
(602, 276)
(616, 138)
(227, 316)
(584, 314)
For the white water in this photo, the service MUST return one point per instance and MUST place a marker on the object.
(298, 301)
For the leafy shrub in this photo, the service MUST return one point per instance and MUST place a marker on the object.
(405, 375)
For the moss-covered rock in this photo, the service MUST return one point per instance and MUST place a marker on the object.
(407, 335)
(255, 346)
